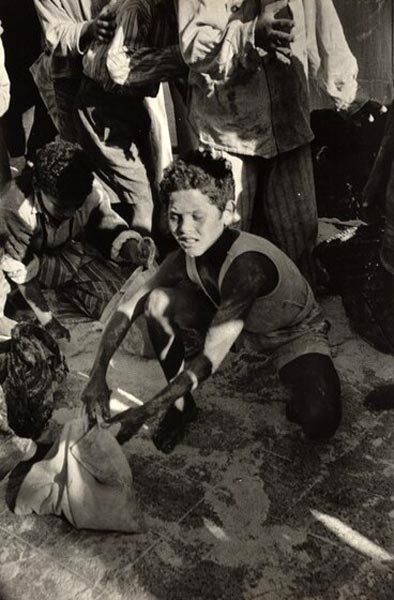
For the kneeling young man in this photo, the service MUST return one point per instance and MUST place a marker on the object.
(66, 236)
(231, 286)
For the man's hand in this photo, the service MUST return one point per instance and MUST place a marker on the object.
(95, 397)
(140, 252)
(102, 28)
(17, 271)
(57, 330)
(15, 233)
(273, 33)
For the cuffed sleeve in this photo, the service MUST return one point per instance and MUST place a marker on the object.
(118, 242)
(331, 63)
(62, 28)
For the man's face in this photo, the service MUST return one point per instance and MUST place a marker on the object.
(194, 221)
(57, 210)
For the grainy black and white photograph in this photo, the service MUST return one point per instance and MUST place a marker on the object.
(196, 300)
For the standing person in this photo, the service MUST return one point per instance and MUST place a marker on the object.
(75, 243)
(113, 118)
(249, 101)
(231, 286)
(22, 46)
(69, 26)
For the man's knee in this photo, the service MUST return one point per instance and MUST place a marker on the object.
(316, 395)
(157, 304)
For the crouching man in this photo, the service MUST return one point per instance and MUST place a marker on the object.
(229, 285)
(64, 235)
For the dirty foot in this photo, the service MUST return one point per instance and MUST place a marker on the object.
(382, 398)
(172, 428)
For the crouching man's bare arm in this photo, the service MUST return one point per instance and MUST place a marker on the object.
(96, 394)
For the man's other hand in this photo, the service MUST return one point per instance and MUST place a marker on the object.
(272, 32)
(95, 397)
(15, 233)
(102, 28)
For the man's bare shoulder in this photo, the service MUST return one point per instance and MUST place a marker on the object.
(250, 274)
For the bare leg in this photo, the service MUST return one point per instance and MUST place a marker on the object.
(164, 309)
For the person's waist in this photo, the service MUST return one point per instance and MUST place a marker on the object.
(89, 85)
(66, 67)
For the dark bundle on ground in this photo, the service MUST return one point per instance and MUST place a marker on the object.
(355, 272)
(34, 366)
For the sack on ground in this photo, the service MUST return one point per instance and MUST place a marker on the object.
(86, 478)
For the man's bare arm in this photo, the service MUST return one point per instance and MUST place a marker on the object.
(96, 394)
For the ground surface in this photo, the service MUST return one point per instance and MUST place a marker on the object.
(243, 509)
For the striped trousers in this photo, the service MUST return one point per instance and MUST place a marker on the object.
(276, 199)
(86, 280)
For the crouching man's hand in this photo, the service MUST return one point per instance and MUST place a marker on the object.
(57, 330)
(95, 397)
(140, 252)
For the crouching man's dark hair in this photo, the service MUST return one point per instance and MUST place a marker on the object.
(64, 171)
(200, 171)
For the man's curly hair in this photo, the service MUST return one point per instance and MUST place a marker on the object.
(64, 171)
(200, 171)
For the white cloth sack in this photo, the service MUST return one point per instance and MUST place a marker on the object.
(86, 478)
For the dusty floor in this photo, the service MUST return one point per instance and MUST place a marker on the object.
(243, 509)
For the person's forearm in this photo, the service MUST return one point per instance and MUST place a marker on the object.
(132, 419)
(113, 335)
(32, 293)
(62, 32)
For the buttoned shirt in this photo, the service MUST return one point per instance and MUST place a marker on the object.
(251, 102)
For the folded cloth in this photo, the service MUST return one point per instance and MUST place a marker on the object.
(86, 478)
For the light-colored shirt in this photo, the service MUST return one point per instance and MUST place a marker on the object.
(247, 101)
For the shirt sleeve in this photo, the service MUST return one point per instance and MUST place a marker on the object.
(104, 228)
(130, 58)
(62, 29)
(215, 42)
(331, 62)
